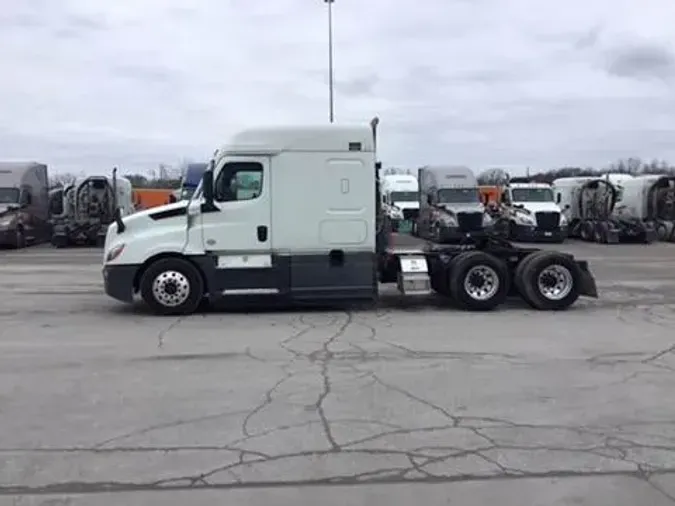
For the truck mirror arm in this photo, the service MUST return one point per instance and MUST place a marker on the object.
(207, 189)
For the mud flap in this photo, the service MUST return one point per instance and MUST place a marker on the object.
(588, 286)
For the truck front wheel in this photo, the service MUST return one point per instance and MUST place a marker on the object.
(172, 286)
(478, 281)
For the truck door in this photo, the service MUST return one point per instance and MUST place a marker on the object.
(239, 230)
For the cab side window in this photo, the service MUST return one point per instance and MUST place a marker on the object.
(239, 181)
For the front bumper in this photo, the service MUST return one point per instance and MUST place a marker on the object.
(7, 237)
(527, 233)
(449, 235)
(118, 281)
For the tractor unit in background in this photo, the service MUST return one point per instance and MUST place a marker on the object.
(82, 211)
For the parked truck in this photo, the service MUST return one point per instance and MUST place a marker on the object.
(531, 213)
(88, 208)
(401, 200)
(451, 209)
(588, 203)
(651, 200)
(24, 203)
(330, 244)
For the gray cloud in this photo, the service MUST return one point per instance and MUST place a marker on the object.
(87, 85)
(645, 60)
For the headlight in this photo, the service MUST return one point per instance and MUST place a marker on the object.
(524, 219)
(115, 252)
(6, 221)
(563, 220)
(448, 221)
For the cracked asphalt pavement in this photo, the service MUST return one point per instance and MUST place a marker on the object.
(407, 402)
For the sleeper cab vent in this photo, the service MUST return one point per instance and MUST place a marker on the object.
(355, 146)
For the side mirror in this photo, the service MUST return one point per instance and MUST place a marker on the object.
(207, 187)
(558, 198)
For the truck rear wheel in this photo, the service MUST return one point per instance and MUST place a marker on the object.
(478, 281)
(172, 286)
(548, 280)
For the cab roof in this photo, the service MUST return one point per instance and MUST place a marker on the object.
(529, 185)
(275, 139)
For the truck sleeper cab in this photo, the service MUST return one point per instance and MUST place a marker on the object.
(451, 208)
(249, 231)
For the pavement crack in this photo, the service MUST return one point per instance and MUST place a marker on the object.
(162, 333)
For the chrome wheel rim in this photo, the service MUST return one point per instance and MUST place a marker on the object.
(171, 288)
(481, 282)
(555, 282)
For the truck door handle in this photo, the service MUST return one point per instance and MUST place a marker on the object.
(262, 233)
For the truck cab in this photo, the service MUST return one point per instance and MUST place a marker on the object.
(401, 199)
(255, 226)
(451, 208)
(24, 203)
(533, 213)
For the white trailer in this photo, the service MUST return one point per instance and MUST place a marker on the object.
(531, 212)
(250, 230)
(650, 199)
(88, 207)
(588, 203)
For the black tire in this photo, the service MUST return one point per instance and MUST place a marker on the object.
(178, 273)
(586, 232)
(540, 263)
(463, 267)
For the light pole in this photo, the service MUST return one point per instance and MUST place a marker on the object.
(331, 106)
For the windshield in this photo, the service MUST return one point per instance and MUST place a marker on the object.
(9, 195)
(403, 196)
(458, 196)
(532, 195)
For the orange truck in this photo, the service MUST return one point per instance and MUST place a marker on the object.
(145, 198)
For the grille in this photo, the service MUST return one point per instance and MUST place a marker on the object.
(410, 214)
(470, 222)
(548, 220)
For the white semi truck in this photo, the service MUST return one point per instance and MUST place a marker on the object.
(400, 198)
(589, 205)
(247, 232)
(531, 212)
(87, 208)
(651, 200)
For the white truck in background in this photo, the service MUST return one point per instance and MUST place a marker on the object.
(589, 204)
(400, 199)
(83, 210)
(531, 212)
(248, 232)
(651, 200)
(451, 209)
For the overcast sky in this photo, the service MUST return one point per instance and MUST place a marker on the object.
(88, 84)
